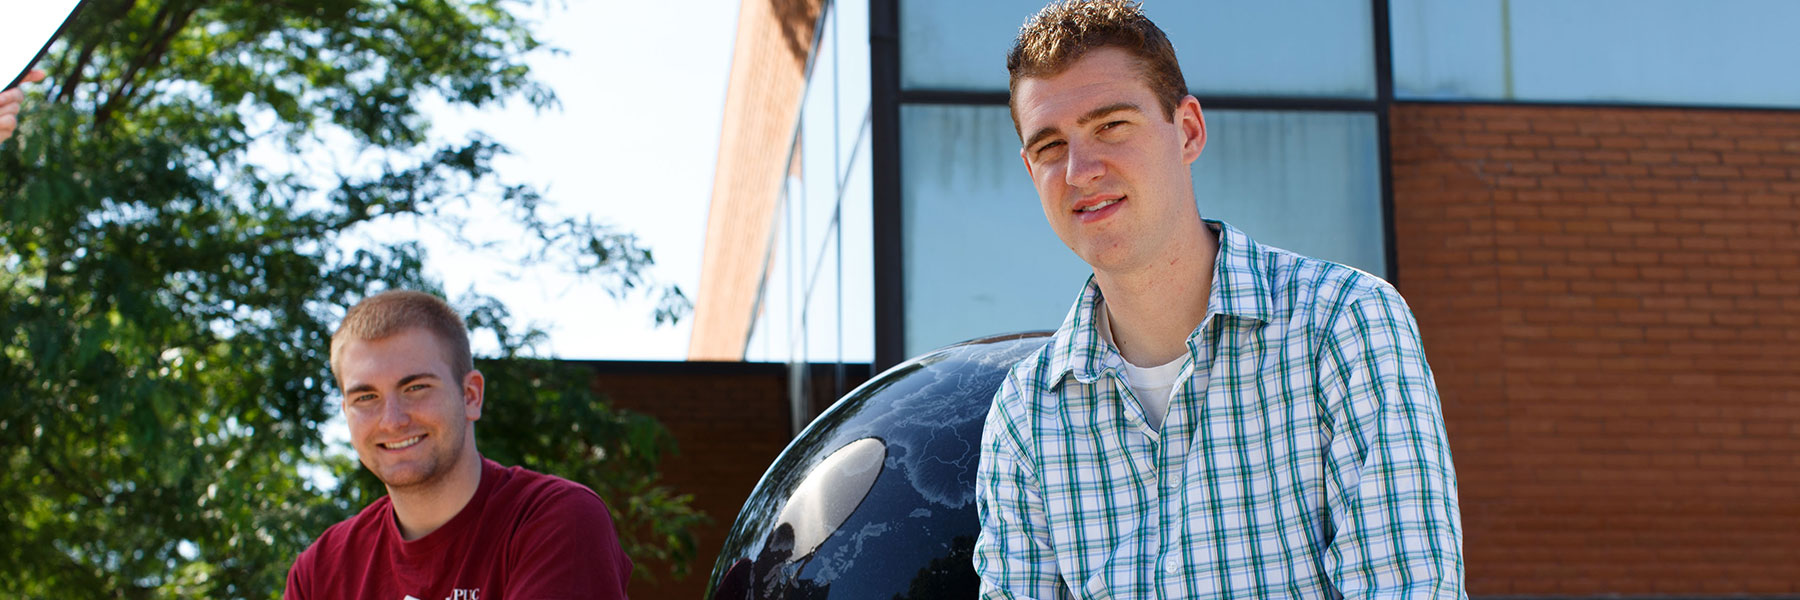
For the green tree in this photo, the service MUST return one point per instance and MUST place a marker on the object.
(166, 301)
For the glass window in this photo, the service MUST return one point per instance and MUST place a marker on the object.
(978, 257)
(858, 282)
(1313, 48)
(850, 21)
(1309, 182)
(816, 301)
(772, 335)
(822, 307)
(980, 260)
(1722, 52)
(821, 152)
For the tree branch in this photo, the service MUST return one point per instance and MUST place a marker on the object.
(166, 34)
(69, 82)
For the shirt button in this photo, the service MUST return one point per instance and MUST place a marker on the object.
(1169, 564)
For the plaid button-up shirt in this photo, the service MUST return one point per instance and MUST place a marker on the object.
(1312, 465)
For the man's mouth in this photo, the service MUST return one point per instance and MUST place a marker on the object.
(1090, 206)
(1097, 207)
(402, 444)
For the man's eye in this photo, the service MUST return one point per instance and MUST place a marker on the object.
(361, 398)
(415, 387)
(1111, 125)
(1048, 147)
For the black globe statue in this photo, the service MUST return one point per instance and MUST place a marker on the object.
(876, 498)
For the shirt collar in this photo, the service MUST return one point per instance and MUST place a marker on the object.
(1240, 288)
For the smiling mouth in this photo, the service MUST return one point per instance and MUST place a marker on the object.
(1099, 206)
(403, 444)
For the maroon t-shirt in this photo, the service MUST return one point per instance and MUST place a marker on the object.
(523, 536)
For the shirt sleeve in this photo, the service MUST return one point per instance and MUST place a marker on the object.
(1013, 553)
(1390, 484)
(567, 548)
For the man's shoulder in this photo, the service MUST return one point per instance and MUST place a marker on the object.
(1298, 282)
(538, 510)
(531, 490)
(1037, 371)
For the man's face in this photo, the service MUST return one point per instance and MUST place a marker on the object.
(410, 421)
(1111, 171)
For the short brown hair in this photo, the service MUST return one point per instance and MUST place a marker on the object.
(1060, 34)
(394, 311)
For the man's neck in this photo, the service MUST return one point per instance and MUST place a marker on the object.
(1153, 309)
(420, 510)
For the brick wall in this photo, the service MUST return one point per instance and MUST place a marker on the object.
(1610, 299)
(730, 421)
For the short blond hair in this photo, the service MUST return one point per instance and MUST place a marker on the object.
(394, 311)
(1060, 34)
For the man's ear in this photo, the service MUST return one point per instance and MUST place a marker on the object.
(473, 394)
(1193, 128)
(1027, 162)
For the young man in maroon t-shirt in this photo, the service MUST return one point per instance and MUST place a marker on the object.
(454, 525)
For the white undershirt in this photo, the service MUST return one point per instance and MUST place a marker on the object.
(1153, 386)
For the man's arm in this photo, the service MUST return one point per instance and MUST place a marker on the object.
(1013, 555)
(567, 548)
(1390, 485)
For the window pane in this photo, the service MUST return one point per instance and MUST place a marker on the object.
(1306, 182)
(821, 150)
(1314, 48)
(851, 23)
(821, 310)
(858, 283)
(813, 296)
(980, 260)
(772, 338)
(978, 257)
(1720, 52)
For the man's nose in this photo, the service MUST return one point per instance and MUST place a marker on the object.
(1084, 165)
(394, 414)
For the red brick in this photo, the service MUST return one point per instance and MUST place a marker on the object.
(1562, 182)
(1623, 142)
(1758, 145)
(1485, 139)
(1739, 158)
(1724, 171)
(1509, 126)
(1581, 169)
(1672, 171)
(1574, 141)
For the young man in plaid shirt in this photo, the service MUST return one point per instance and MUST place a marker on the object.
(1215, 418)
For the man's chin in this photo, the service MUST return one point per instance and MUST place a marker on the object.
(402, 478)
(1106, 261)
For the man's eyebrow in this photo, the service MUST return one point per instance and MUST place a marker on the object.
(415, 377)
(365, 387)
(1085, 119)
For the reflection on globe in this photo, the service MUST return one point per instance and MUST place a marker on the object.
(876, 499)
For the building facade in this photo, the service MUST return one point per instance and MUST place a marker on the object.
(1592, 208)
